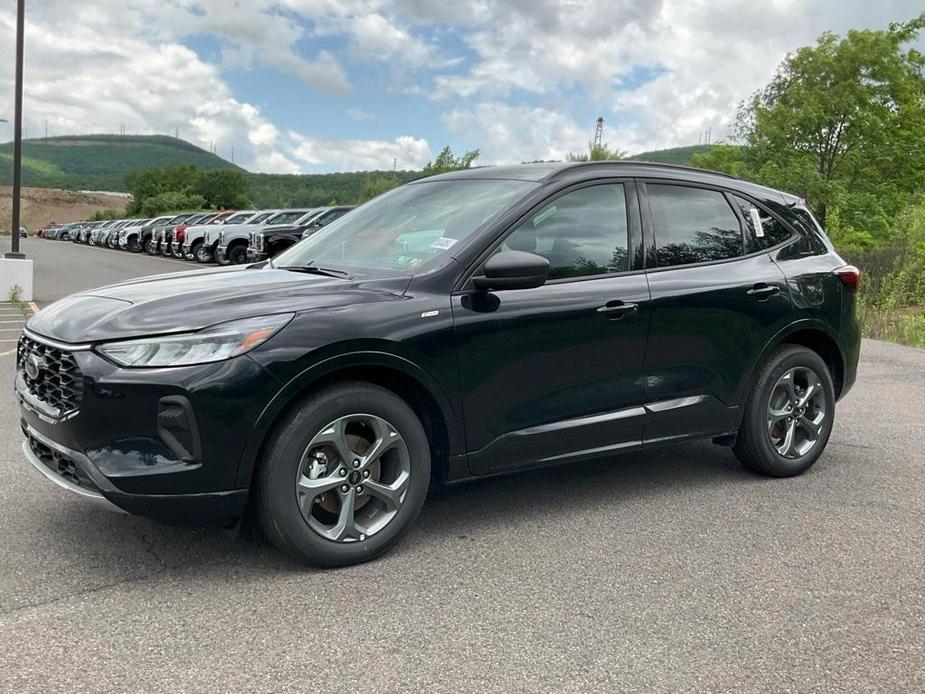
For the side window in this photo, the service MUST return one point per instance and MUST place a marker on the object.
(692, 225)
(761, 229)
(581, 233)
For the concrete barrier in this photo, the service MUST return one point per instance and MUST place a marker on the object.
(15, 273)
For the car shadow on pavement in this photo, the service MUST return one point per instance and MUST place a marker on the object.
(483, 507)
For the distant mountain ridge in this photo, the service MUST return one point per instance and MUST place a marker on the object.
(100, 162)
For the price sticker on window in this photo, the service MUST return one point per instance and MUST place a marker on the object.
(756, 222)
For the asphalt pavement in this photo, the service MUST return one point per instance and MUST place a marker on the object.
(671, 570)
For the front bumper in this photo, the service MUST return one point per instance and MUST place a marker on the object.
(255, 256)
(221, 254)
(117, 449)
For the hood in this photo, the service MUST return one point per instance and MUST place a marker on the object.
(185, 301)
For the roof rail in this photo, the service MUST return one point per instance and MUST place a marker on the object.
(630, 162)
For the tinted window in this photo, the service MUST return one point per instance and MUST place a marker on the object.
(692, 225)
(581, 233)
(761, 229)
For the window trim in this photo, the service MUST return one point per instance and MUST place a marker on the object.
(634, 232)
(794, 234)
(649, 231)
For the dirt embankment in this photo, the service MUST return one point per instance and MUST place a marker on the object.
(43, 205)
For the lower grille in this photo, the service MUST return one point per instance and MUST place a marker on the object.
(51, 376)
(61, 465)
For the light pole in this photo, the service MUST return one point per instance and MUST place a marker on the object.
(17, 131)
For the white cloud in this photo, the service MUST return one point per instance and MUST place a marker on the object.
(405, 152)
(360, 114)
(513, 134)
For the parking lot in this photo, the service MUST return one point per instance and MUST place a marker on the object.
(670, 570)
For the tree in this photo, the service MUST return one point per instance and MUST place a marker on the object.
(222, 189)
(171, 201)
(377, 186)
(447, 161)
(597, 153)
(842, 123)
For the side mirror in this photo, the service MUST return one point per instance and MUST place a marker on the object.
(513, 270)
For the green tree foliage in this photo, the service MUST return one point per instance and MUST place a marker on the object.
(447, 161)
(842, 123)
(377, 186)
(597, 153)
(171, 201)
(103, 215)
(155, 191)
(222, 189)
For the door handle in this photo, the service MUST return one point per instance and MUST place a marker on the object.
(763, 292)
(616, 309)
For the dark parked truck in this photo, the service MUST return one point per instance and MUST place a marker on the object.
(273, 240)
(463, 325)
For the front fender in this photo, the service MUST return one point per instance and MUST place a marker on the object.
(300, 383)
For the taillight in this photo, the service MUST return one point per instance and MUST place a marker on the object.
(850, 276)
(178, 234)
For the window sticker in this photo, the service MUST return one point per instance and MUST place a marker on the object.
(443, 243)
(545, 214)
(756, 221)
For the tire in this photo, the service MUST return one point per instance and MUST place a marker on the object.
(203, 254)
(193, 250)
(293, 451)
(134, 245)
(237, 255)
(151, 247)
(773, 409)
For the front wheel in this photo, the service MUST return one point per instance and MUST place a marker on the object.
(237, 255)
(151, 247)
(789, 415)
(203, 253)
(134, 245)
(345, 475)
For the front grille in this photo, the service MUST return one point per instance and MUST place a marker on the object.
(57, 381)
(61, 464)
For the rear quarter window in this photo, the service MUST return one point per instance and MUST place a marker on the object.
(762, 231)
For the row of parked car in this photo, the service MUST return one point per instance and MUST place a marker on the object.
(228, 237)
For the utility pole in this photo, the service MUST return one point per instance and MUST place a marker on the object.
(176, 132)
(17, 131)
(394, 164)
(598, 133)
(46, 128)
(232, 154)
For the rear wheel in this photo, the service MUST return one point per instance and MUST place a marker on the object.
(789, 415)
(345, 475)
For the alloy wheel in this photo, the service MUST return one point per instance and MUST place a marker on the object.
(353, 478)
(796, 412)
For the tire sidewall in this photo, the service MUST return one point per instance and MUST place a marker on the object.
(758, 410)
(278, 498)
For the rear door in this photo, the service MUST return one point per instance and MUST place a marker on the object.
(714, 306)
(555, 372)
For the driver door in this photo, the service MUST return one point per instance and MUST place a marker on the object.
(556, 372)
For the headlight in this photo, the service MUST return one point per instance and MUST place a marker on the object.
(215, 343)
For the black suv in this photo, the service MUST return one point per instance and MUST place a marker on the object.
(463, 325)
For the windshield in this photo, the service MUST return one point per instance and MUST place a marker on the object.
(401, 231)
(239, 218)
(286, 217)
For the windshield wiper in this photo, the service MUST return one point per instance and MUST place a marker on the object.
(316, 270)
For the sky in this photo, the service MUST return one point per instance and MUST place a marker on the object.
(304, 86)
